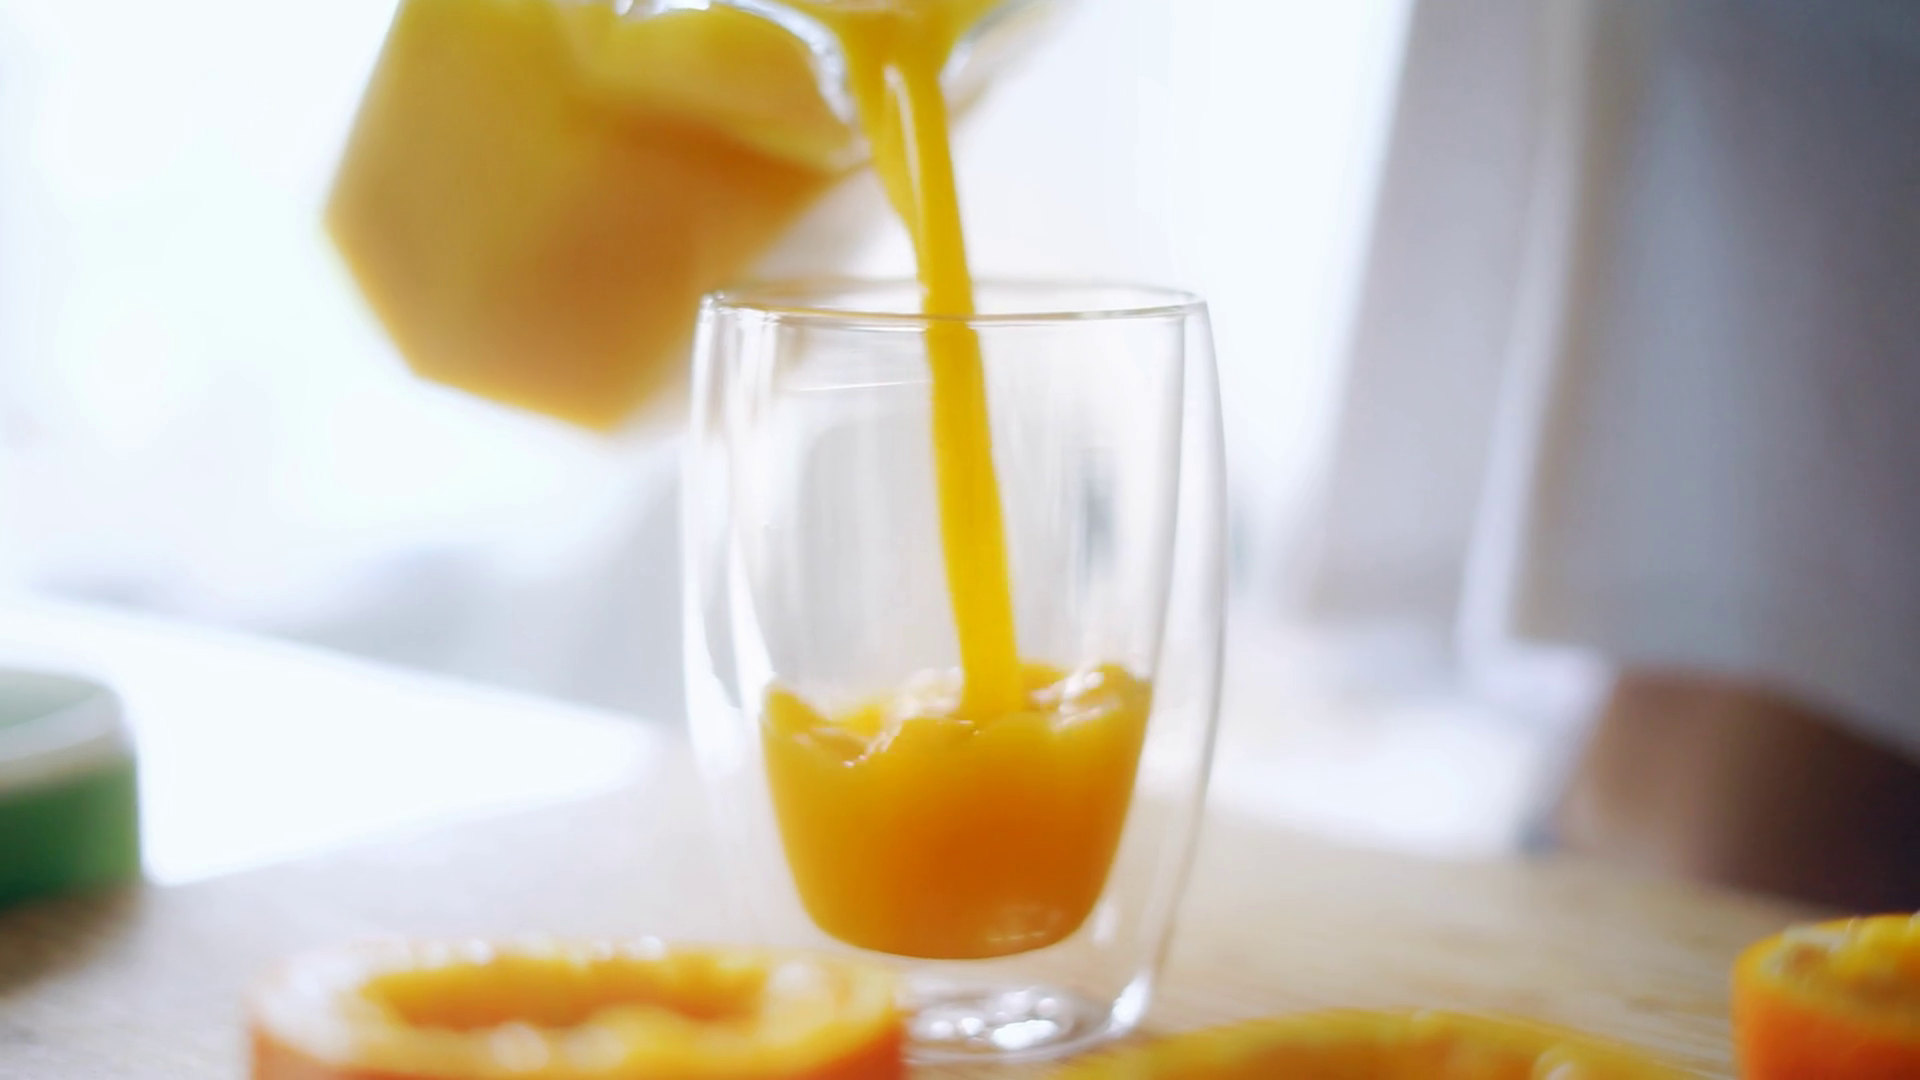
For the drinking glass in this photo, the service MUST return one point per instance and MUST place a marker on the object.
(1022, 871)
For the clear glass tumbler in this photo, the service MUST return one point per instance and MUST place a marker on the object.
(1023, 869)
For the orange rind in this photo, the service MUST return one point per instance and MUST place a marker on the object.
(1836, 1000)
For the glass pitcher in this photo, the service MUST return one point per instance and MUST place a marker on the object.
(536, 193)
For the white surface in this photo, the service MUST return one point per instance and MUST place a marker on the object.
(252, 752)
(1372, 737)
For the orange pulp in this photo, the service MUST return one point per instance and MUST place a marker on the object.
(916, 829)
(574, 1011)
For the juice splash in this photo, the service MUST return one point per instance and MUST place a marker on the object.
(916, 828)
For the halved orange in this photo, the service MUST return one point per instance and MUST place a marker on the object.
(575, 1011)
(1836, 1000)
(1389, 1045)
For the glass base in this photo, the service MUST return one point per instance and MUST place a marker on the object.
(983, 1024)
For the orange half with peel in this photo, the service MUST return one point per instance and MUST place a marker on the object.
(575, 1011)
(1391, 1045)
(1837, 1000)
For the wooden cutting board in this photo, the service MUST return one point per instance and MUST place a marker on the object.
(150, 984)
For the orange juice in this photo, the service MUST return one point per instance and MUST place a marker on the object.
(537, 193)
(895, 53)
(916, 829)
(974, 816)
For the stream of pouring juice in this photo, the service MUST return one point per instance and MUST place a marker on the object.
(970, 816)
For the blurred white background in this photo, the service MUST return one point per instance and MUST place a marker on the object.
(199, 418)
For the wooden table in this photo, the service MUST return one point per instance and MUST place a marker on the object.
(148, 984)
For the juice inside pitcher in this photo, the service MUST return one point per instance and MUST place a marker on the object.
(537, 193)
(545, 238)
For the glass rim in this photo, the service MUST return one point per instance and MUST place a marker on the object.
(802, 300)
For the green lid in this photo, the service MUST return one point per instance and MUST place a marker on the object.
(69, 816)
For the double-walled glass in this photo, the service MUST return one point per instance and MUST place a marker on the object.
(1022, 869)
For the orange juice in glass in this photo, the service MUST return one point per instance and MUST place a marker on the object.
(1021, 860)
